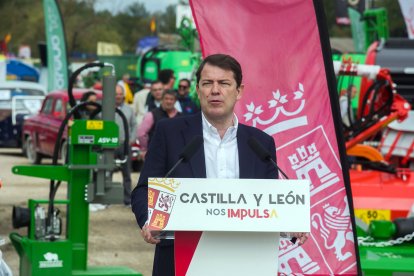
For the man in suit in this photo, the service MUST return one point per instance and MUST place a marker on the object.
(225, 153)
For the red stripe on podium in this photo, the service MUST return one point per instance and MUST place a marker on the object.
(185, 246)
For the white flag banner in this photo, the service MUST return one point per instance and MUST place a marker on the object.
(407, 9)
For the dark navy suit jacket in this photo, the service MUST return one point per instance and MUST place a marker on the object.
(168, 142)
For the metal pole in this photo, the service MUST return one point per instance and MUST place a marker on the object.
(108, 101)
(108, 114)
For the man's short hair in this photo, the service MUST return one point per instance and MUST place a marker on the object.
(225, 62)
(155, 82)
(187, 81)
(171, 92)
(86, 95)
(165, 75)
(122, 88)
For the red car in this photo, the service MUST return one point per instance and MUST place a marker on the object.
(40, 131)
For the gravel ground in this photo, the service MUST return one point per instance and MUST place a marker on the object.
(113, 233)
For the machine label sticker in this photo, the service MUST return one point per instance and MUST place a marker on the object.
(86, 139)
(97, 125)
(108, 140)
(367, 215)
(51, 260)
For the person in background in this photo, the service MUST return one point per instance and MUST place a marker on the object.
(345, 100)
(88, 96)
(165, 111)
(86, 111)
(186, 103)
(119, 152)
(167, 77)
(140, 98)
(153, 99)
(124, 82)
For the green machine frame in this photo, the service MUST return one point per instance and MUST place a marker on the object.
(91, 146)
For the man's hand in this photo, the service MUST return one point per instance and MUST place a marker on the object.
(142, 155)
(148, 235)
(302, 237)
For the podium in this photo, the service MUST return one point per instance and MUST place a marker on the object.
(227, 226)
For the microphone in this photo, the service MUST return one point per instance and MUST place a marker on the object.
(262, 153)
(188, 152)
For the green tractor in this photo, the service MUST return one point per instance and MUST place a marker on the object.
(183, 59)
(183, 62)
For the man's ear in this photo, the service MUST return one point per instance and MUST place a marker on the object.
(240, 91)
(198, 91)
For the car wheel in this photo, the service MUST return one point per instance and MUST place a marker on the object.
(31, 153)
(64, 153)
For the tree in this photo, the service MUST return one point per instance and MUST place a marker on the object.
(166, 20)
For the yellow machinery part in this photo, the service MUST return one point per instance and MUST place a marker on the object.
(366, 152)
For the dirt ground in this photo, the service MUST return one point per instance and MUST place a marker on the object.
(114, 238)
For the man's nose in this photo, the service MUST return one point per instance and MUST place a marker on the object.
(215, 89)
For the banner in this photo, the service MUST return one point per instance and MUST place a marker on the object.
(290, 93)
(357, 28)
(56, 47)
(407, 10)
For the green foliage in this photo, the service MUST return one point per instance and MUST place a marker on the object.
(84, 26)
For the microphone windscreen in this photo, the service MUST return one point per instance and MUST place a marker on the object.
(261, 152)
(191, 148)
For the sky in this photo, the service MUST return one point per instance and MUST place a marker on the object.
(119, 5)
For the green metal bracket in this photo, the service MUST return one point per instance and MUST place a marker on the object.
(60, 173)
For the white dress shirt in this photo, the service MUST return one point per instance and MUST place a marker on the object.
(221, 155)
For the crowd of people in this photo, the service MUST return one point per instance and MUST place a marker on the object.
(143, 110)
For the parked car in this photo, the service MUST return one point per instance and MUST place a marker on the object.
(18, 100)
(39, 132)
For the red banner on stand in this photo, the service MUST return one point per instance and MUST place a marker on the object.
(288, 79)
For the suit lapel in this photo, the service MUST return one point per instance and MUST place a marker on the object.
(195, 128)
(246, 158)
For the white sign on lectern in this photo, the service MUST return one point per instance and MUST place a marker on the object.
(240, 218)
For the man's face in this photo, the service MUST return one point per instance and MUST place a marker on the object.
(91, 98)
(156, 91)
(168, 102)
(218, 93)
(183, 88)
(119, 96)
(125, 78)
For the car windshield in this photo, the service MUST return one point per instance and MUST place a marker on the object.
(21, 100)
